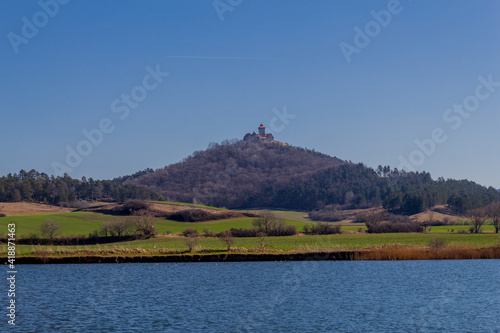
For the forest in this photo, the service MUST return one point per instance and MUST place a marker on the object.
(33, 186)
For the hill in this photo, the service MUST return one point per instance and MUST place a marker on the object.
(242, 174)
(254, 174)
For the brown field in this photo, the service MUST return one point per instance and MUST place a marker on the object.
(25, 208)
(438, 213)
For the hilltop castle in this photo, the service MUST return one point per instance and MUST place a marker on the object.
(261, 137)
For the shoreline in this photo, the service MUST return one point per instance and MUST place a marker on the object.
(382, 253)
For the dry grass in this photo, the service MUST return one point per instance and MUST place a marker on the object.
(408, 252)
(389, 252)
(25, 208)
(431, 215)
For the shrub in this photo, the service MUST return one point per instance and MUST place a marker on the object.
(191, 215)
(33, 238)
(388, 223)
(190, 232)
(252, 232)
(199, 215)
(209, 233)
(437, 243)
(388, 227)
(321, 228)
(134, 206)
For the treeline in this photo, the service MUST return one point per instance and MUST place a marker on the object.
(250, 175)
(34, 186)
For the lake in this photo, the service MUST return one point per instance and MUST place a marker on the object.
(326, 296)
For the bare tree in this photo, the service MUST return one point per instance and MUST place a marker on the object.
(50, 229)
(122, 227)
(265, 221)
(227, 238)
(191, 242)
(105, 228)
(144, 223)
(374, 219)
(477, 217)
(262, 240)
(493, 212)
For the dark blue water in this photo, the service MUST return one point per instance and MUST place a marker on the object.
(402, 296)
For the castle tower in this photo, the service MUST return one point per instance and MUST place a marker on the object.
(262, 130)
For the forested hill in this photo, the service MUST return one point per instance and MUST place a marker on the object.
(249, 175)
(240, 174)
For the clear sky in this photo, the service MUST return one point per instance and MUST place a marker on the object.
(360, 80)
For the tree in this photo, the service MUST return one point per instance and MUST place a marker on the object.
(191, 242)
(227, 238)
(458, 204)
(262, 240)
(373, 220)
(105, 229)
(50, 229)
(478, 217)
(144, 224)
(271, 225)
(265, 222)
(116, 228)
(493, 212)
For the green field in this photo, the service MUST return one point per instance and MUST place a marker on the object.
(273, 244)
(289, 215)
(82, 223)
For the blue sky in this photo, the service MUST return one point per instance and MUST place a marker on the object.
(227, 76)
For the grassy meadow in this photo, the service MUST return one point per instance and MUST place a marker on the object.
(82, 223)
(353, 238)
(168, 245)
